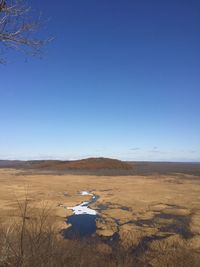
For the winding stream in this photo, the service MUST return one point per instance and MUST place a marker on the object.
(83, 221)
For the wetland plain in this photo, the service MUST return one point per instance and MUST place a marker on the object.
(138, 212)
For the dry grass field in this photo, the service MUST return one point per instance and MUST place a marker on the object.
(149, 213)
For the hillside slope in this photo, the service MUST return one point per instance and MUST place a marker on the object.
(84, 164)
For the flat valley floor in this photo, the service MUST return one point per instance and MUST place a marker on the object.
(155, 209)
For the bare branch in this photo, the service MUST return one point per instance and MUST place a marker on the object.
(19, 27)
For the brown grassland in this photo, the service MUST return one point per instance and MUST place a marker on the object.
(157, 218)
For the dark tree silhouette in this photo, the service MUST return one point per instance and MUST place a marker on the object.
(18, 28)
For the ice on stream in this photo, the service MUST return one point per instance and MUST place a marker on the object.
(83, 207)
(86, 193)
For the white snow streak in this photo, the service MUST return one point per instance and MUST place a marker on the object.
(83, 207)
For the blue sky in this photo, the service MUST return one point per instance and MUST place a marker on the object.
(121, 79)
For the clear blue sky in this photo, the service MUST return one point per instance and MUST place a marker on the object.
(121, 79)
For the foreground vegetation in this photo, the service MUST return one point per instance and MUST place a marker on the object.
(32, 240)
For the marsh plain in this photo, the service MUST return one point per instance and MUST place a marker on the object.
(138, 212)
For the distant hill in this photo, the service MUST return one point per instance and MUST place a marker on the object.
(97, 164)
(10, 163)
(103, 166)
(84, 164)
